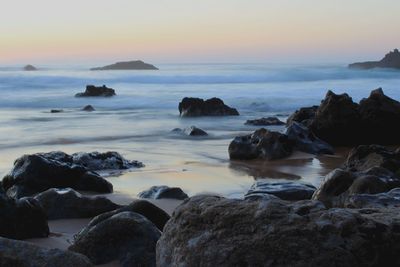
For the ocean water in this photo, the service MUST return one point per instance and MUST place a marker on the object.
(138, 121)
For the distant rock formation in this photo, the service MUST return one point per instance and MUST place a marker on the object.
(30, 68)
(128, 65)
(391, 60)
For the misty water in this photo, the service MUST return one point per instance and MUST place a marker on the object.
(138, 121)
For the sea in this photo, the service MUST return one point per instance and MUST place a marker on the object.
(138, 121)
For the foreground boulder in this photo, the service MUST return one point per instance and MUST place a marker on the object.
(128, 65)
(68, 204)
(270, 121)
(127, 237)
(92, 90)
(262, 144)
(36, 173)
(194, 107)
(24, 254)
(391, 60)
(284, 190)
(375, 201)
(160, 192)
(213, 231)
(22, 219)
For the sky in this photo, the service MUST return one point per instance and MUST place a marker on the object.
(173, 31)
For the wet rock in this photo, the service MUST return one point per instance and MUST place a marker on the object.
(23, 254)
(306, 141)
(128, 65)
(110, 160)
(92, 90)
(56, 111)
(127, 237)
(36, 173)
(374, 201)
(213, 231)
(30, 68)
(190, 131)
(265, 122)
(303, 116)
(88, 108)
(194, 107)
(391, 60)
(68, 204)
(159, 192)
(284, 190)
(261, 144)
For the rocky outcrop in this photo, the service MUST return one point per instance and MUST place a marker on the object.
(30, 68)
(88, 108)
(303, 116)
(127, 237)
(375, 201)
(23, 254)
(270, 121)
(284, 190)
(262, 144)
(213, 231)
(194, 107)
(92, 90)
(391, 60)
(190, 131)
(163, 191)
(128, 65)
(68, 204)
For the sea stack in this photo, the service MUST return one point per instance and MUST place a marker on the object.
(391, 60)
(128, 65)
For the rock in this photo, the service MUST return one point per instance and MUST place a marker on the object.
(306, 141)
(110, 160)
(92, 90)
(56, 111)
(262, 144)
(88, 108)
(21, 219)
(194, 107)
(374, 201)
(30, 68)
(127, 237)
(68, 204)
(159, 192)
(391, 60)
(128, 65)
(303, 116)
(36, 173)
(190, 131)
(213, 231)
(143, 207)
(23, 254)
(284, 190)
(265, 122)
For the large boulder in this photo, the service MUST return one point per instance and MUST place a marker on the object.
(92, 90)
(284, 190)
(36, 173)
(391, 60)
(127, 237)
(270, 121)
(213, 231)
(194, 107)
(306, 141)
(15, 253)
(303, 116)
(67, 204)
(163, 191)
(22, 219)
(261, 144)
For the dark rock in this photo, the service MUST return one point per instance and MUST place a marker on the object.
(262, 144)
(283, 190)
(127, 237)
(375, 201)
(306, 141)
(213, 231)
(159, 192)
(30, 68)
(68, 204)
(303, 116)
(15, 253)
(21, 219)
(193, 107)
(88, 108)
(143, 207)
(110, 160)
(391, 60)
(36, 173)
(265, 122)
(92, 90)
(128, 65)
(56, 111)
(190, 131)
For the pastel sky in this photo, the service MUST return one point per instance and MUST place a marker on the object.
(197, 30)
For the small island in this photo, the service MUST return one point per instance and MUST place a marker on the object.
(391, 60)
(128, 65)
(30, 68)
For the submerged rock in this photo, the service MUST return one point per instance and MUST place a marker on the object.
(391, 60)
(88, 108)
(23, 254)
(92, 90)
(190, 131)
(67, 204)
(284, 190)
(265, 122)
(128, 65)
(261, 144)
(194, 107)
(163, 191)
(30, 68)
(56, 111)
(127, 237)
